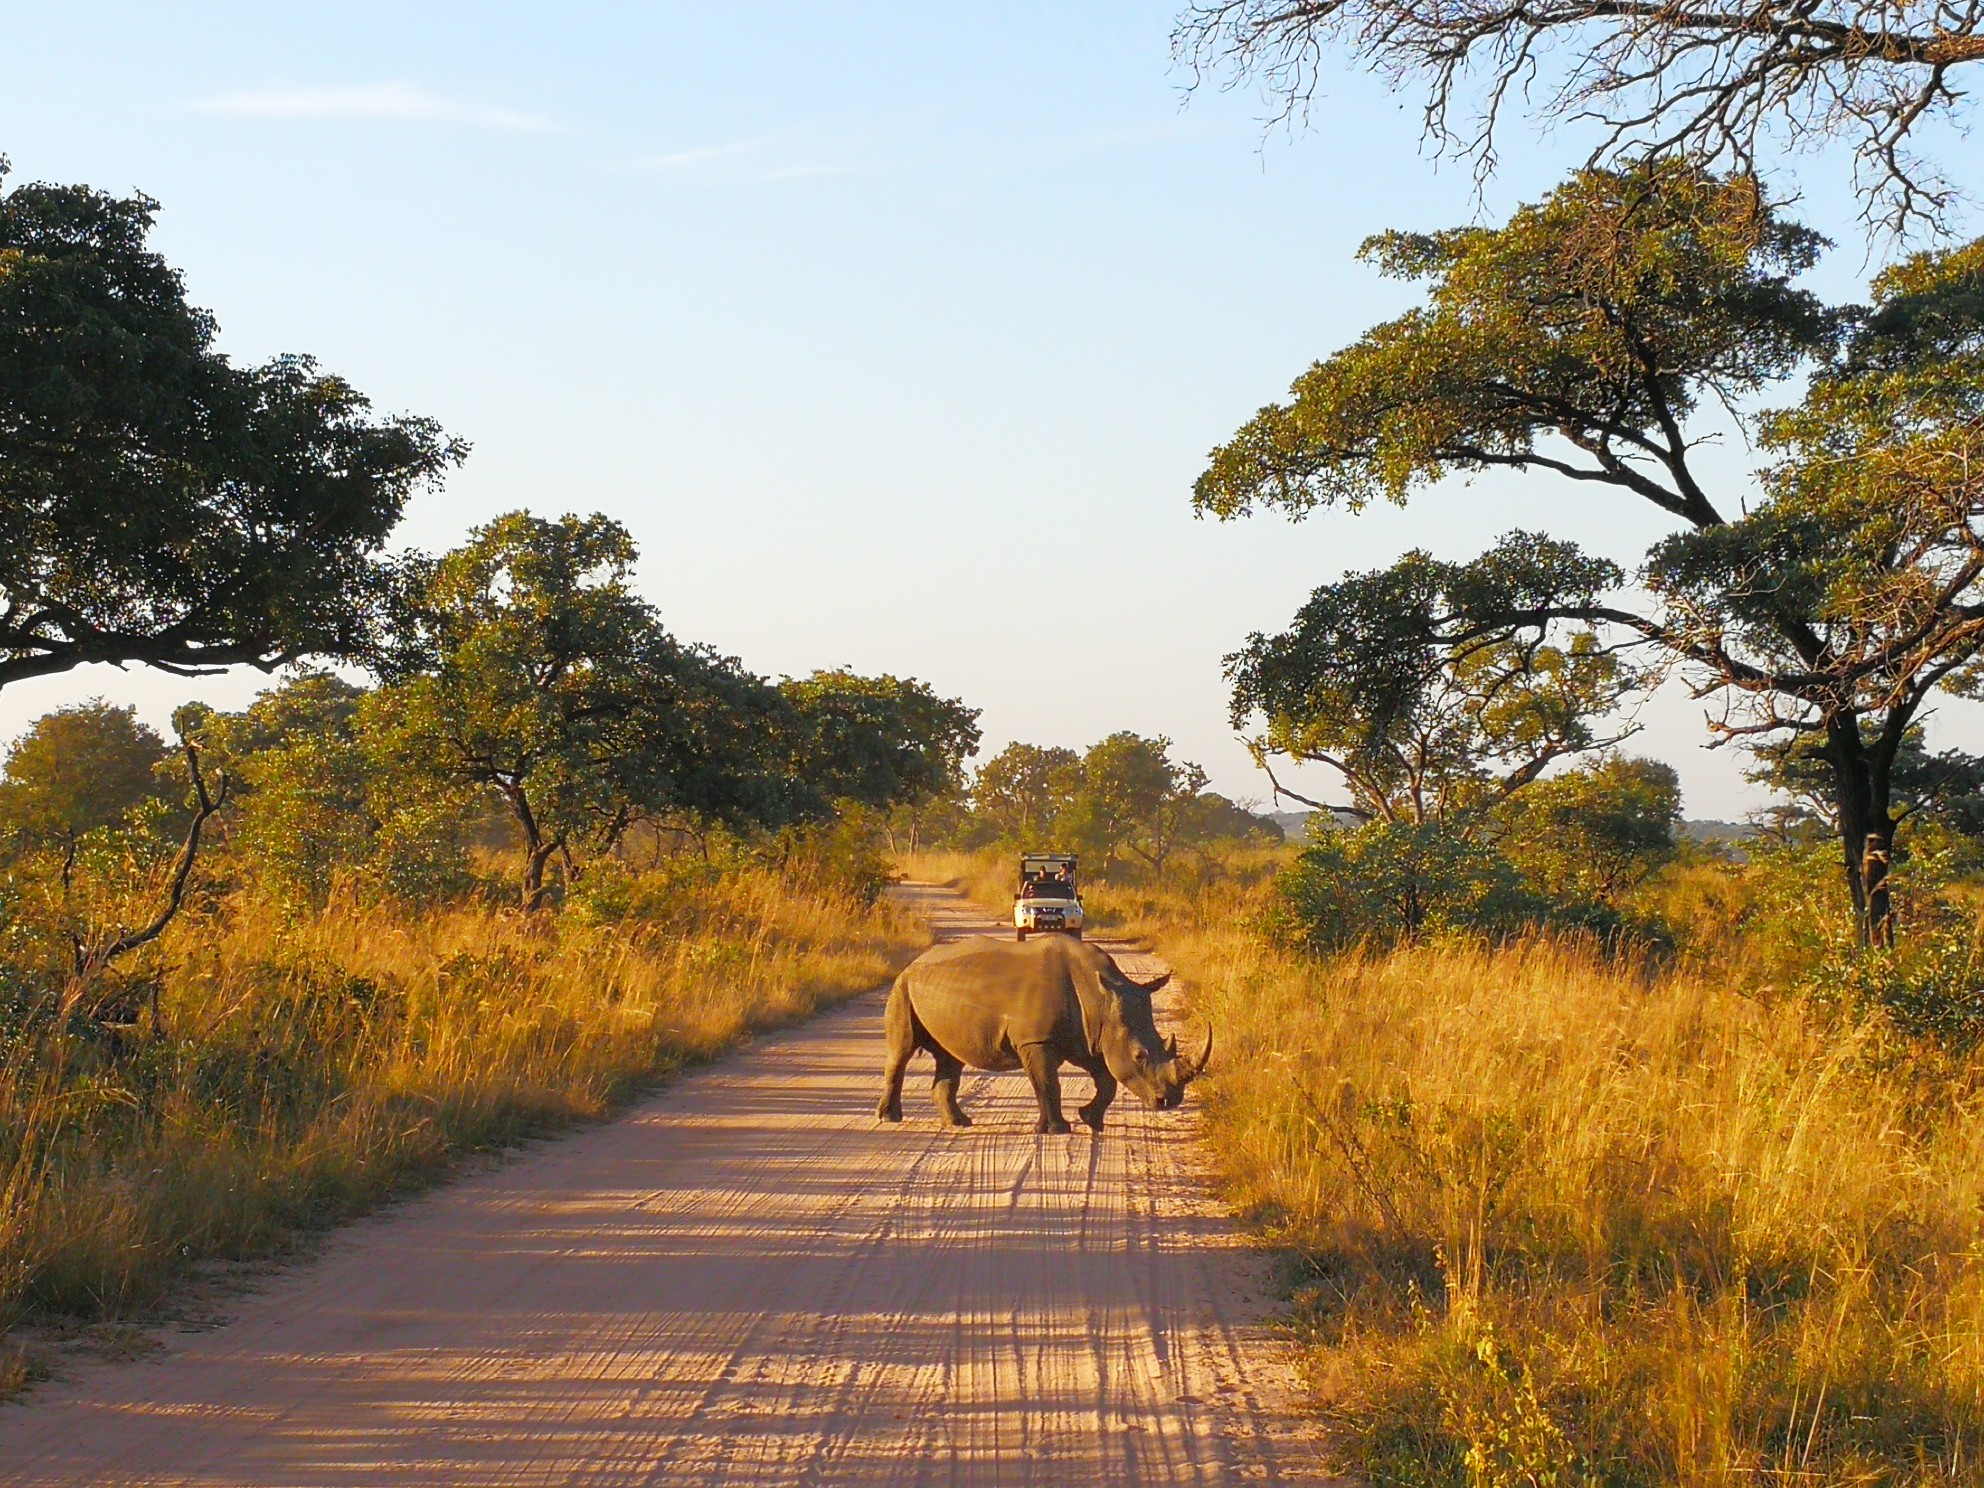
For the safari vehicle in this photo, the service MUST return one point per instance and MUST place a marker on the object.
(1047, 903)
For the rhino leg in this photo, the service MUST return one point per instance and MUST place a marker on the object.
(945, 1088)
(1105, 1092)
(1045, 1071)
(900, 1025)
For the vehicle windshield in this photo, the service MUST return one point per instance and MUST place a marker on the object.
(1048, 888)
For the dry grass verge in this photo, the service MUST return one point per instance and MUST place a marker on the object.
(1567, 1221)
(307, 1068)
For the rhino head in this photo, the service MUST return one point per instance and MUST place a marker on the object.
(1149, 1067)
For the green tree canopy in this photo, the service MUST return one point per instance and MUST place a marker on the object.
(1132, 797)
(538, 673)
(1024, 789)
(76, 771)
(880, 741)
(1580, 339)
(1430, 687)
(312, 703)
(1576, 339)
(159, 504)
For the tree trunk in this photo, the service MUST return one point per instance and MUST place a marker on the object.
(1876, 858)
(536, 856)
(1866, 828)
(538, 848)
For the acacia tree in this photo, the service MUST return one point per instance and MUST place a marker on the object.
(157, 503)
(534, 670)
(1436, 689)
(1714, 81)
(1024, 789)
(878, 741)
(1131, 796)
(1580, 340)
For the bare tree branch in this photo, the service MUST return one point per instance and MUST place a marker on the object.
(1725, 83)
(90, 961)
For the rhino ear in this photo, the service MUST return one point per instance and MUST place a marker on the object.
(1153, 987)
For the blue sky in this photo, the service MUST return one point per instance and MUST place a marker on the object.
(895, 333)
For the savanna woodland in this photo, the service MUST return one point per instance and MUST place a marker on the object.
(493, 849)
(1614, 1152)
(1605, 1149)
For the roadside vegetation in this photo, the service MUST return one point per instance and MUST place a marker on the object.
(1612, 1160)
(344, 1002)
(1570, 1214)
(511, 853)
(1605, 1158)
(305, 1066)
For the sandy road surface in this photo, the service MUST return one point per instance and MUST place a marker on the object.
(745, 1280)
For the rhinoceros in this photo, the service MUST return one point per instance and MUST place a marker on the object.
(997, 1005)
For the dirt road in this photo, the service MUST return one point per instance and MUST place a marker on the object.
(744, 1281)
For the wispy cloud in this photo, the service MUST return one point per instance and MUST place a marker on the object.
(402, 103)
(677, 160)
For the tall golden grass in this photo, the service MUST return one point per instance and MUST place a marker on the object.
(1568, 1220)
(309, 1067)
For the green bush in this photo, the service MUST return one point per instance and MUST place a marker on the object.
(1590, 836)
(1397, 881)
(1930, 987)
(309, 822)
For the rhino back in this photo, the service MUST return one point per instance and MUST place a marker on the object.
(982, 999)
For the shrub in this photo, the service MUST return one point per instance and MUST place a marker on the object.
(1396, 881)
(1592, 835)
(1931, 986)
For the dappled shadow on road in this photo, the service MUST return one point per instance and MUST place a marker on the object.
(748, 1281)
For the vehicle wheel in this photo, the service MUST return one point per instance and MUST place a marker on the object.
(1019, 935)
(1076, 932)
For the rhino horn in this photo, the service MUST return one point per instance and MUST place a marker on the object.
(1171, 1046)
(1152, 987)
(1196, 1067)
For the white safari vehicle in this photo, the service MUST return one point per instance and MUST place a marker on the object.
(1047, 902)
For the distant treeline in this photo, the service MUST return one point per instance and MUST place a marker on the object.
(1124, 804)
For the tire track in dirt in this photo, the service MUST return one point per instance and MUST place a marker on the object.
(745, 1281)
